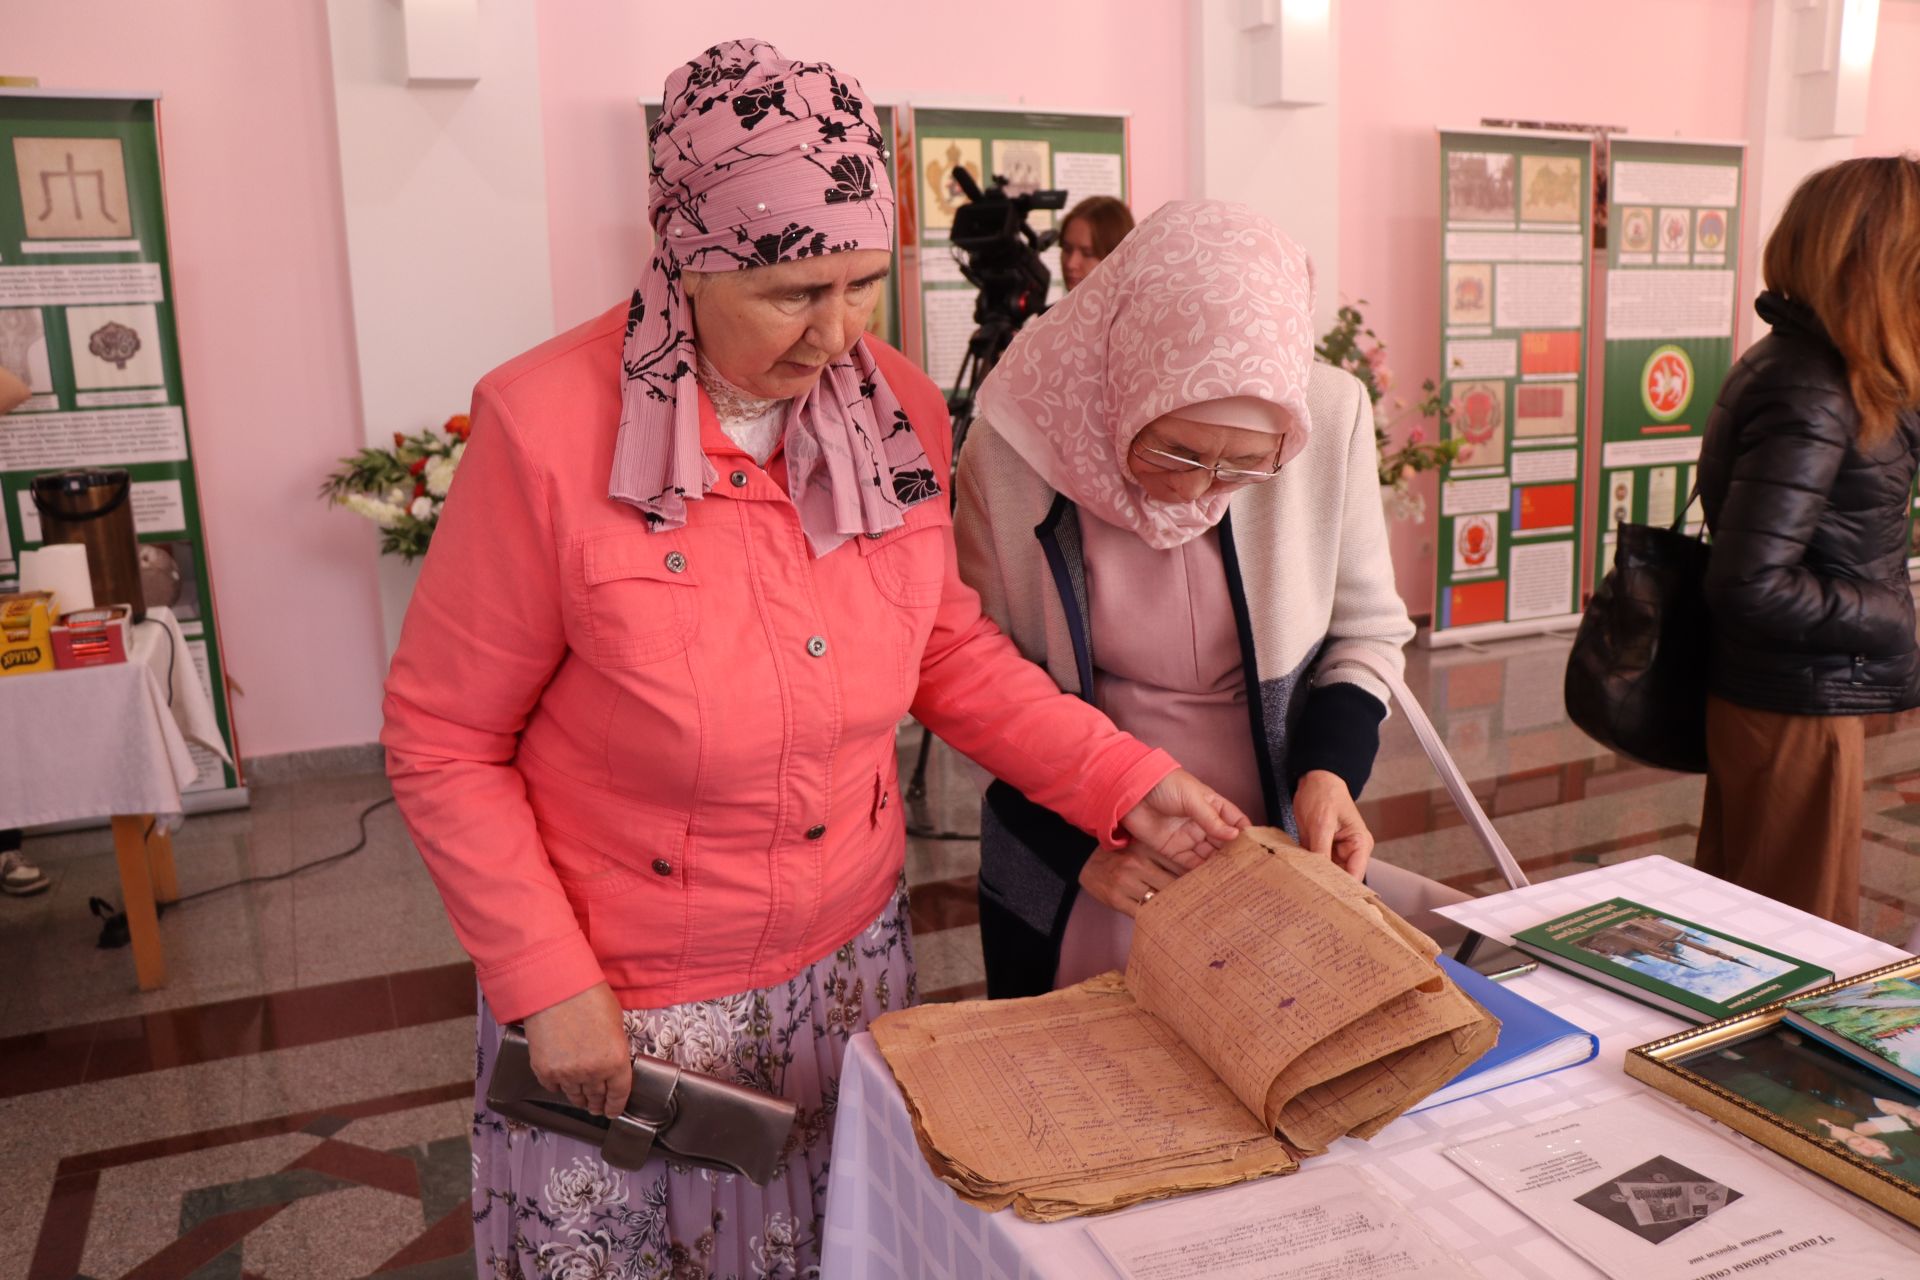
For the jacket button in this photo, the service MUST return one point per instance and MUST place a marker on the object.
(817, 646)
(676, 563)
(661, 867)
(815, 832)
(876, 536)
(739, 479)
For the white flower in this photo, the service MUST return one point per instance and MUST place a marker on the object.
(439, 476)
(384, 514)
(773, 1254)
(422, 507)
(573, 1193)
(592, 1258)
(397, 496)
(700, 1037)
(459, 450)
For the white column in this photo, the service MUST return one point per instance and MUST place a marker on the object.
(1283, 160)
(1808, 68)
(446, 215)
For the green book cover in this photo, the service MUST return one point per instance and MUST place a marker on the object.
(1672, 960)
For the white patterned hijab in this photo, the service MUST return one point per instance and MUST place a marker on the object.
(1204, 301)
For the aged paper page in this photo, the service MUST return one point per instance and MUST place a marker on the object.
(1263, 953)
(1073, 1102)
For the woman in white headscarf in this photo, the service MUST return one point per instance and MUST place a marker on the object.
(1169, 505)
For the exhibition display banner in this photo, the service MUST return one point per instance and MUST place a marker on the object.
(1517, 210)
(87, 322)
(1084, 155)
(1672, 305)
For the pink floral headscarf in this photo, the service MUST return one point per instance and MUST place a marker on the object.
(1203, 302)
(758, 159)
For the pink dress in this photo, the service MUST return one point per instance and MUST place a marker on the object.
(1167, 668)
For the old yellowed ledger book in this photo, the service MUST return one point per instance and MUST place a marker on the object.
(1270, 1005)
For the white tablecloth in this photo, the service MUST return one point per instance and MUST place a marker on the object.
(97, 741)
(888, 1216)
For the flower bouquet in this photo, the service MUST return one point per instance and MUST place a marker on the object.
(1352, 346)
(402, 487)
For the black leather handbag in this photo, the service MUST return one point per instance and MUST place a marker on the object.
(1637, 676)
(686, 1117)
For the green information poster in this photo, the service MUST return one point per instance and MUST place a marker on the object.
(1517, 211)
(1673, 269)
(1082, 155)
(86, 320)
(885, 324)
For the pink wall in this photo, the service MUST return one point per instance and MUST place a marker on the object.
(253, 198)
(1407, 66)
(598, 58)
(1893, 103)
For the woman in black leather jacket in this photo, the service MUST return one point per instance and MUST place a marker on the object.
(1805, 475)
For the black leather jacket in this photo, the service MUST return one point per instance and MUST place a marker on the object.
(1807, 581)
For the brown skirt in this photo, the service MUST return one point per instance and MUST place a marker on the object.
(1782, 814)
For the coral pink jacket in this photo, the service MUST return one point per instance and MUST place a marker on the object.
(667, 759)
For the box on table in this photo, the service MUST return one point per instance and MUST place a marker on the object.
(91, 637)
(26, 619)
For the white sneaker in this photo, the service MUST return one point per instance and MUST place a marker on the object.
(20, 878)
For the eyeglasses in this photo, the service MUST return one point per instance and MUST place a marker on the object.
(1220, 474)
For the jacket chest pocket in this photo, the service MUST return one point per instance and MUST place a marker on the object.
(909, 564)
(639, 599)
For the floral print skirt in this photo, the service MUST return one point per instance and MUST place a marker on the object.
(546, 1206)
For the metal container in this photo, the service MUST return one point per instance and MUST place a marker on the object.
(93, 506)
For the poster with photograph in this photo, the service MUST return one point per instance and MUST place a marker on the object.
(1515, 304)
(93, 336)
(1670, 317)
(1480, 186)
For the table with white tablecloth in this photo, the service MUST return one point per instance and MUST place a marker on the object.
(888, 1216)
(112, 742)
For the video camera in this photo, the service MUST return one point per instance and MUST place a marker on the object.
(1000, 252)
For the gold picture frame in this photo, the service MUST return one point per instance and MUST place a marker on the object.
(1695, 1066)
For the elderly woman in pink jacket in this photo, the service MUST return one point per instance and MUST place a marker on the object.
(697, 565)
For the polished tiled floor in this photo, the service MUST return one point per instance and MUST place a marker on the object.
(294, 1103)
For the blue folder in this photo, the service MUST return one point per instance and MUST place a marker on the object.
(1532, 1041)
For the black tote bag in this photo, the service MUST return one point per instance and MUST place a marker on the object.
(1637, 676)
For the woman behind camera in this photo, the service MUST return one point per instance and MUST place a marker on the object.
(1805, 475)
(1091, 230)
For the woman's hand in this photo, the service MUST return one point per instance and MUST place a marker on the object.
(1330, 822)
(579, 1048)
(1183, 820)
(1124, 878)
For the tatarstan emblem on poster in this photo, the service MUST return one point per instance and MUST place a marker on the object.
(1475, 544)
(1480, 421)
(1676, 230)
(1636, 230)
(1710, 232)
(1666, 383)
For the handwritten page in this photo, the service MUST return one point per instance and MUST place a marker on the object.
(1271, 1005)
(1322, 1011)
(1066, 1099)
(1329, 1224)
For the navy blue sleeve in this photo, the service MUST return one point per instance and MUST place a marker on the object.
(1339, 731)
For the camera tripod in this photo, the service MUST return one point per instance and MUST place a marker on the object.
(989, 342)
